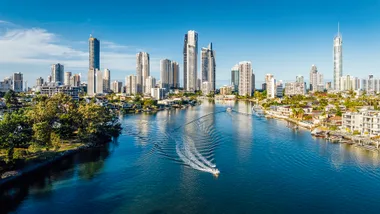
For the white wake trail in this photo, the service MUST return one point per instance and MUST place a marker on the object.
(203, 159)
(186, 155)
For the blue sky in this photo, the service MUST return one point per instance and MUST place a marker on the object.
(280, 37)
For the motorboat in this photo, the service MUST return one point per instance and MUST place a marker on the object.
(257, 111)
(215, 172)
(229, 109)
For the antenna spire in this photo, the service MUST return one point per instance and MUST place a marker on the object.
(338, 30)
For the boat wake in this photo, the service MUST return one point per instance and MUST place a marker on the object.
(191, 157)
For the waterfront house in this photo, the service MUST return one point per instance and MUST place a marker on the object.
(335, 120)
(365, 122)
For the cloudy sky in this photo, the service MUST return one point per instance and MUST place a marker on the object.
(280, 37)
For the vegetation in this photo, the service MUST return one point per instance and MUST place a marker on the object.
(50, 122)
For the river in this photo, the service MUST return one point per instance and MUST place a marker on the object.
(164, 163)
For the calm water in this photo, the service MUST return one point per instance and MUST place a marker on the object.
(161, 164)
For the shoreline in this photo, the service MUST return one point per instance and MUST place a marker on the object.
(33, 168)
(330, 136)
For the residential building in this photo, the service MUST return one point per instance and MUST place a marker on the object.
(6, 84)
(107, 80)
(235, 77)
(316, 79)
(328, 85)
(150, 83)
(67, 78)
(198, 85)
(300, 79)
(190, 61)
(348, 83)
(366, 122)
(245, 78)
(142, 70)
(39, 81)
(338, 61)
(94, 53)
(75, 80)
(364, 85)
(271, 86)
(295, 88)
(18, 80)
(49, 79)
(52, 89)
(264, 86)
(99, 82)
(158, 93)
(208, 67)
(206, 88)
(279, 89)
(131, 85)
(174, 81)
(57, 73)
(91, 82)
(253, 83)
(165, 71)
(117, 87)
(226, 90)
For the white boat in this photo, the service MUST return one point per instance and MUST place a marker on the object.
(229, 109)
(215, 172)
(256, 110)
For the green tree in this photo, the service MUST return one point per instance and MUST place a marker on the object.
(10, 98)
(15, 132)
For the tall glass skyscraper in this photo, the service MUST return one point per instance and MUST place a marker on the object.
(94, 50)
(57, 73)
(338, 65)
(142, 71)
(208, 67)
(190, 61)
(235, 77)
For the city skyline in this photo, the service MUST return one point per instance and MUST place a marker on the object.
(303, 40)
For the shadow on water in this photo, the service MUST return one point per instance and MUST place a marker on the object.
(82, 165)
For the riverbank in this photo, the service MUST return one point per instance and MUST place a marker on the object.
(40, 161)
(331, 136)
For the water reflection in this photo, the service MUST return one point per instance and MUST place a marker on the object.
(265, 167)
(86, 164)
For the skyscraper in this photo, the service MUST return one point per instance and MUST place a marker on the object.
(67, 78)
(185, 63)
(150, 83)
(165, 71)
(107, 80)
(190, 61)
(49, 79)
(235, 77)
(208, 67)
(131, 85)
(316, 79)
(300, 79)
(99, 82)
(116, 86)
(40, 81)
(175, 80)
(245, 81)
(271, 86)
(142, 70)
(75, 80)
(57, 73)
(91, 82)
(18, 82)
(338, 64)
(94, 51)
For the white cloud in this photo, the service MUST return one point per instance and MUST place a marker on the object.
(35, 48)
